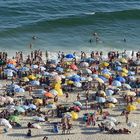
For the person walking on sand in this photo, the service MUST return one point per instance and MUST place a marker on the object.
(63, 128)
(67, 96)
(78, 97)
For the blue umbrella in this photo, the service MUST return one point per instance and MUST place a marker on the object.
(103, 78)
(116, 83)
(59, 69)
(10, 66)
(120, 79)
(118, 68)
(131, 73)
(19, 90)
(24, 69)
(32, 106)
(100, 99)
(75, 78)
(94, 76)
(89, 60)
(35, 83)
(69, 56)
(109, 92)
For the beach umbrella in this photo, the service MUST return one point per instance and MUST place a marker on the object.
(137, 62)
(74, 115)
(123, 60)
(123, 74)
(86, 71)
(51, 106)
(69, 56)
(19, 109)
(109, 92)
(68, 115)
(34, 66)
(10, 108)
(75, 108)
(120, 79)
(105, 64)
(73, 67)
(106, 75)
(21, 90)
(35, 83)
(117, 63)
(54, 92)
(9, 99)
(12, 61)
(38, 101)
(75, 78)
(2, 99)
(5, 123)
(100, 99)
(132, 124)
(89, 78)
(77, 84)
(132, 78)
(105, 71)
(78, 103)
(31, 77)
(40, 91)
(127, 86)
(138, 100)
(102, 93)
(25, 79)
(14, 118)
(109, 124)
(99, 80)
(32, 106)
(118, 68)
(111, 119)
(129, 93)
(49, 95)
(112, 100)
(57, 78)
(103, 78)
(131, 108)
(94, 76)
(89, 60)
(37, 126)
(60, 69)
(131, 73)
(116, 83)
(110, 105)
(42, 68)
(124, 70)
(10, 66)
(40, 119)
(25, 107)
(84, 64)
(24, 69)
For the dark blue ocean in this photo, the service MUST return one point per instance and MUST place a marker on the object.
(68, 25)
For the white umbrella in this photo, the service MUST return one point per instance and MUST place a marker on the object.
(112, 99)
(54, 92)
(42, 68)
(34, 66)
(111, 119)
(37, 126)
(77, 84)
(84, 64)
(9, 99)
(5, 123)
(132, 124)
(40, 119)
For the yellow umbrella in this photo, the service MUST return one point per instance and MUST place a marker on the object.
(110, 105)
(106, 76)
(138, 100)
(99, 80)
(130, 93)
(74, 115)
(123, 74)
(25, 79)
(125, 70)
(31, 77)
(105, 64)
(69, 82)
(38, 101)
(123, 60)
(131, 108)
(102, 93)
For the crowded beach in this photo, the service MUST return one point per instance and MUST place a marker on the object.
(77, 95)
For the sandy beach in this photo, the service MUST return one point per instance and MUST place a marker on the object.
(79, 129)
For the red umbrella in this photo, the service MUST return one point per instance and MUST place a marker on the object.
(73, 66)
(49, 95)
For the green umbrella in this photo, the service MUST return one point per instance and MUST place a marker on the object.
(14, 118)
(20, 109)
